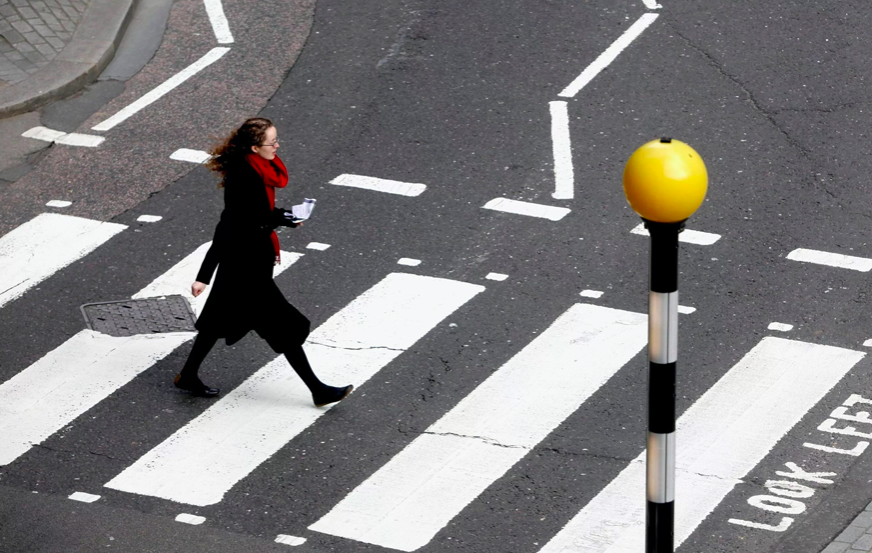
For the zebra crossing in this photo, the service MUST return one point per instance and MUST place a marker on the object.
(416, 493)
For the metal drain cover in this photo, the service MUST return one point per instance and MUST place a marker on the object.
(144, 316)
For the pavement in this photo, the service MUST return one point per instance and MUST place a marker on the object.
(53, 48)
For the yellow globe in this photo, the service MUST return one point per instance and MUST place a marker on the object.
(665, 181)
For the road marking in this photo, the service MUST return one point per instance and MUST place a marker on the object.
(220, 26)
(204, 459)
(721, 437)
(290, 540)
(496, 276)
(84, 497)
(59, 137)
(162, 89)
(149, 218)
(780, 327)
(406, 502)
(564, 180)
(190, 519)
(34, 251)
(591, 294)
(59, 203)
(380, 185)
(527, 208)
(652, 4)
(688, 236)
(318, 246)
(831, 259)
(609, 55)
(408, 261)
(193, 156)
(87, 368)
(686, 310)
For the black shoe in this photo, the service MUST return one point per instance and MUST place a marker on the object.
(330, 395)
(195, 386)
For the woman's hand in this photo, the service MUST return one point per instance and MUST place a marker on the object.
(197, 288)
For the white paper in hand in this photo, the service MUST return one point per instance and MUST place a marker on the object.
(303, 211)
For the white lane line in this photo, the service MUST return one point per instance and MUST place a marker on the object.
(686, 310)
(190, 519)
(317, 246)
(609, 55)
(149, 218)
(408, 262)
(721, 437)
(87, 368)
(780, 327)
(380, 185)
(290, 540)
(204, 459)
(527, 208)
(84, 497)
(591, 294)
(688, 236)
(59, 203)
(496, 276)
(70, 139)
(564, 179)
(34, 251)
(406, 502)
(215, 11)
(193, 156)
(831, 259)
(158, 92)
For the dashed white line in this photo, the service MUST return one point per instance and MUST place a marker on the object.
(686, 310)
(59, 137)
(220, 26)
(158, 92)
(190, 519)
(868, 343)
(609, 55)
(59, 203)
(780, 327)
(689, 236)
(591, 294)
(408, 261)
(290, 540)
(527, 208)
(149, 218)
(84, 497)
(652, 4)
(831, 259)
(318, 246)
(194, 156)
(380, 185)
(564, 179)
(496, 276)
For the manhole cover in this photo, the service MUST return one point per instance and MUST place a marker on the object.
(145, 316)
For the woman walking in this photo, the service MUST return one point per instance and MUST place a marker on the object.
(245, 249)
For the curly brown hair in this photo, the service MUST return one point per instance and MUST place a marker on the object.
(233, 148)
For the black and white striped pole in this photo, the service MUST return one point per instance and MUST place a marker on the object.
(665, 181)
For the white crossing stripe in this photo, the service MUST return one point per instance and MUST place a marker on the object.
(204, 459)
(527, 208)
(380, 185)
(406, 502)
(44, 245)
(87, 368)
(721, 437)
(831, 259)
(688, 236)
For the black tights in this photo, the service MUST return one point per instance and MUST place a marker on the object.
(294, 354)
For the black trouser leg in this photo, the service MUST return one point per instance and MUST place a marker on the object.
(298, 360)
(202, 346)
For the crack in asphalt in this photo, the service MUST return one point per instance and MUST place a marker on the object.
(355, 349)
(484, 439)
(68, 452)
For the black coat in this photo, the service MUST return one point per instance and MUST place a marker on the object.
(245, 296)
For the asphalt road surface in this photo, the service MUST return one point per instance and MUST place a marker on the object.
(499, 358)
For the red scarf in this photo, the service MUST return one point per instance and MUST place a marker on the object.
(274, 175)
